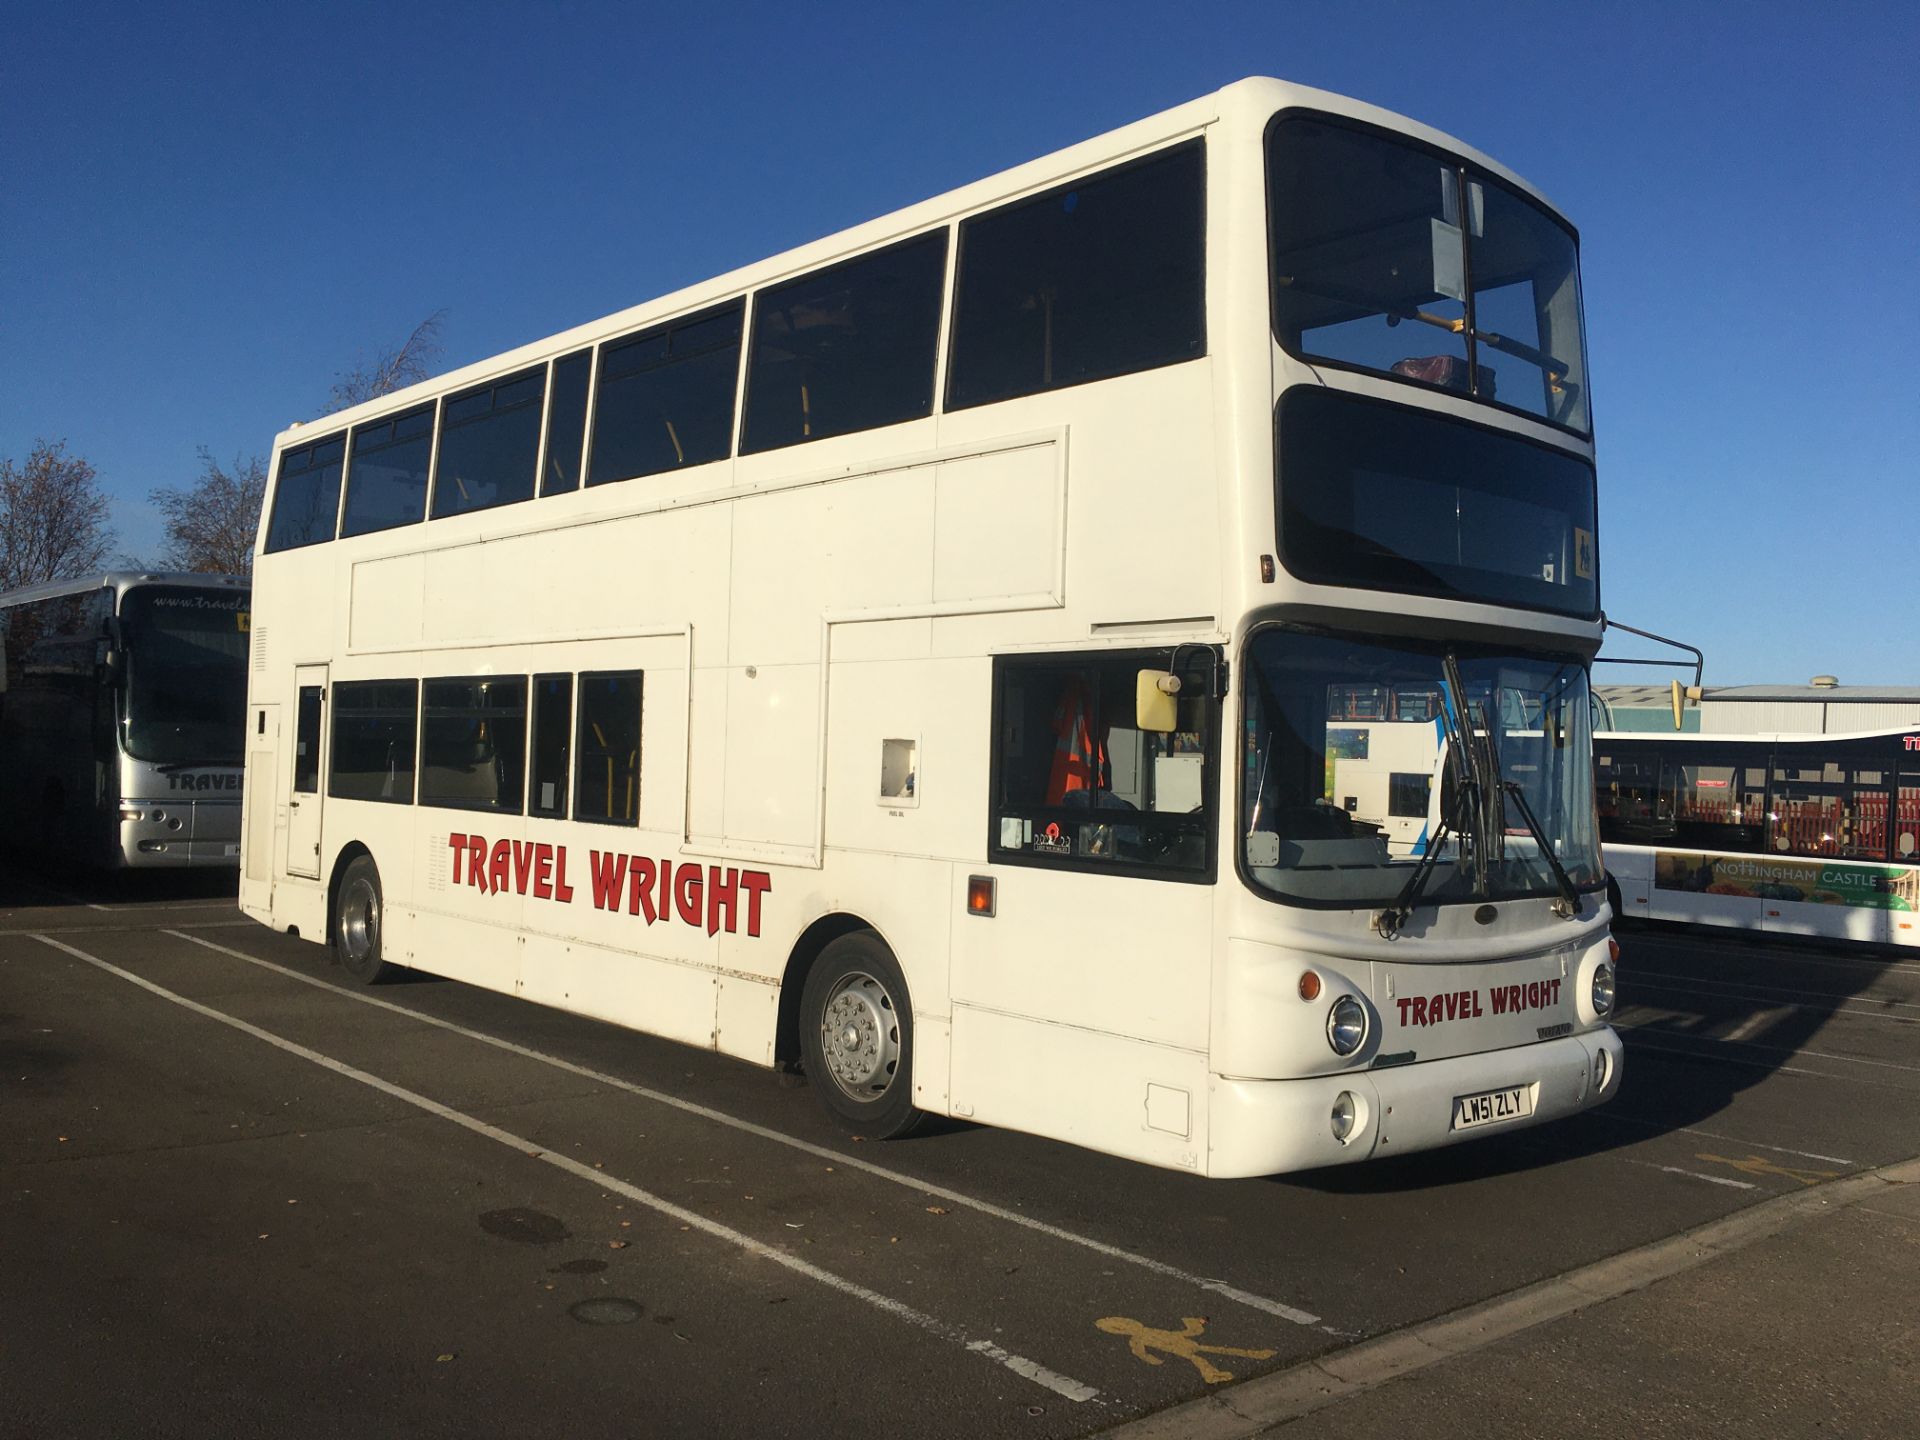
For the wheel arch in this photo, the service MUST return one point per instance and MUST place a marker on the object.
(349, 852)
(793, 980)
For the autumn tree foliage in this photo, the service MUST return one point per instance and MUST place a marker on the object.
(210, 524)
(53, 517)
(394, 369)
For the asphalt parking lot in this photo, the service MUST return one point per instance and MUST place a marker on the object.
(242, 1197)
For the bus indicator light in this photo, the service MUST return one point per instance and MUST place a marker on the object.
(1310, 985)
(980, 896)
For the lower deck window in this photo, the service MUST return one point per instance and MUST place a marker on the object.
(552, 727)
(473, 743)
(607, 744)
(374, 724)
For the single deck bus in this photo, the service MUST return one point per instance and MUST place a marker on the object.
(916, 658)
(1815, 835)
(122, 735)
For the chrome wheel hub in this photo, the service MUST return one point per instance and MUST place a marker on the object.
(359, 920)
(860, 1037)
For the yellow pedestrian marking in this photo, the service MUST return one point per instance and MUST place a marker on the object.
(1143, 1340)
(1754, 1165)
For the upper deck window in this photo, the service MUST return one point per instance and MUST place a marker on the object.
(489, 444)
(1100, 277)
(387, 472)
(847, 348)
(1393, 258)
(566, 423)
(666, 397)
(306, 497)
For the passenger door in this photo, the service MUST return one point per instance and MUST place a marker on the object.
(304, 803)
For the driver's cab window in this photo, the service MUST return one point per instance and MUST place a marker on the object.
(1078, 783)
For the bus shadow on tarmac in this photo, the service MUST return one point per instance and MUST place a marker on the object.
(28, 881)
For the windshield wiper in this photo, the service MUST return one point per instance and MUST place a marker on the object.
(1568, 905)
(1387, 922)
(1478, 819)
(1468, 815)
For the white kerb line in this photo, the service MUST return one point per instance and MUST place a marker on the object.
(1059, 1384)
(984, 1207)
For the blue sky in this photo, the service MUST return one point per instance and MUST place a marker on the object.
(210, 210)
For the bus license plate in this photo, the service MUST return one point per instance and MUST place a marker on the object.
(1490, 1107)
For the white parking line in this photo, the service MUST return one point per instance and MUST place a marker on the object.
(1619, 1119)
(1825, 1001)
(1700, 1052)
(36, 930)
(1696, 1175)
(1759, 1020)
(1059, 1384)
(1777, 1049)
(1262, 1303)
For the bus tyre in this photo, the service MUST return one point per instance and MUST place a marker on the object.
(357, 913)
(856, 1037)
(1613, 898)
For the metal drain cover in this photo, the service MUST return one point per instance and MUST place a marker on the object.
(609, 1310)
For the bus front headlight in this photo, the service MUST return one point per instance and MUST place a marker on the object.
(1603, 990)
(1346, 1025)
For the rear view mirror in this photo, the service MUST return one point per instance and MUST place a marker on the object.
(1155, 707)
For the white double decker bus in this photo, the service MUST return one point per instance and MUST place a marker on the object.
(919, 658)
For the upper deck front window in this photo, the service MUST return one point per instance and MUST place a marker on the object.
(1393, 258)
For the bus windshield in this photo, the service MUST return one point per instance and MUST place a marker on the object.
(1393, 258)
(1357, 753)
(185, 696)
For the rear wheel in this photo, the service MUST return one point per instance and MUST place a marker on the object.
(856, 1037)
(357, 919)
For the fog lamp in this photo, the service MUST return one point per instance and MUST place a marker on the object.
(1344, 1110)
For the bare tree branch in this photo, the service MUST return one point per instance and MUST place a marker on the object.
(392, 369)
(53, 518)
(211, 524)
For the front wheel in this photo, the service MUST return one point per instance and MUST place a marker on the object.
(856, 1037)
(357, 915)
